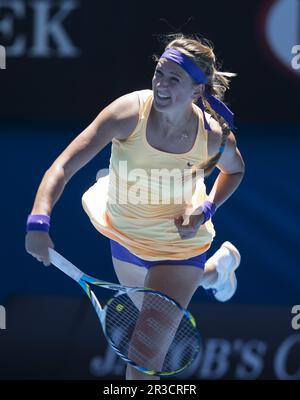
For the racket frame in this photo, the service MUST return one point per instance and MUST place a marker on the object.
(85, 281)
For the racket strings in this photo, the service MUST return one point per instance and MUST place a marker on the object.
(151, 331)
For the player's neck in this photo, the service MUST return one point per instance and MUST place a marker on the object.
(174, 120)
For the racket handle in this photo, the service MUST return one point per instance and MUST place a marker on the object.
(186, 220)
(64, 265)
(189, 212)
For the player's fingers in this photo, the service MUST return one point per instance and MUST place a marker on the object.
(182, 223)
(43, 258)
(47, 263)
(186, 220)
(178, 220)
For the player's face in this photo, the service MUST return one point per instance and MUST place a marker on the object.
(172, 86)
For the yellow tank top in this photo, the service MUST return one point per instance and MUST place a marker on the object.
(136, 203)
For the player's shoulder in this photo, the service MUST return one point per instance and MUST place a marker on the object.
(128, 105)
(125, 106)
(215, 136)
(123, 113)
(144, 94)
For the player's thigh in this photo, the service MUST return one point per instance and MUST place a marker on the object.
(129, 274)
(177, 281)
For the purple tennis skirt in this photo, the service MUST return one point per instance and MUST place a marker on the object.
(121, 253)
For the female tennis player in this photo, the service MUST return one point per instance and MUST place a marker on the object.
(159, 237)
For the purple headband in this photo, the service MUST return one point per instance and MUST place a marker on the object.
(199, 77)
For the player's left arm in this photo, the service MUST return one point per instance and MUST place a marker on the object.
(231, 165)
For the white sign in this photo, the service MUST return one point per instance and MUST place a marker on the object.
(48, 37)
(281, 34)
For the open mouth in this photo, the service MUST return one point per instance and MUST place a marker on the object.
(163, 96)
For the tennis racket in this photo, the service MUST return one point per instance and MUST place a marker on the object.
(146, 328)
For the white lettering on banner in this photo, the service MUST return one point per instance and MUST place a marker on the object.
(2, 318)
(46, 28)
(252, 360)
(296, 319)
(2, 57)
(281, 359)
(217, 360)
(18, 11)
(280, 27)
(296, 59)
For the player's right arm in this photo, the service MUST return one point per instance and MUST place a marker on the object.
(117, 120)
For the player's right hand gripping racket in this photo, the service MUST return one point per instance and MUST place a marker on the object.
(146, 328)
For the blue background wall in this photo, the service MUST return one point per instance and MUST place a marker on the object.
(260, 218)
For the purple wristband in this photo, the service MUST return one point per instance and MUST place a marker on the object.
(38, 222)
(209, 209)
